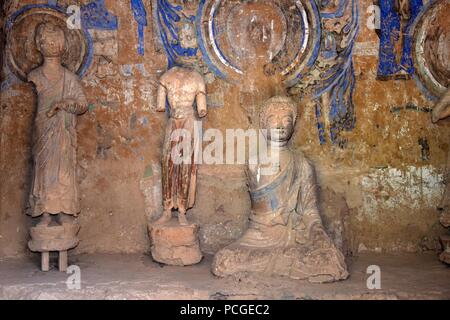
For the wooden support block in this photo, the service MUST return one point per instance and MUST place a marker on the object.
(62, 261)
(45, 261)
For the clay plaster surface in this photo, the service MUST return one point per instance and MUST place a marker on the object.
(379, 193)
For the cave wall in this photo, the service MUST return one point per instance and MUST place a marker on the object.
(380, 184)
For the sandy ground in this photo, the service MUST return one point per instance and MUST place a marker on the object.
(403, 276)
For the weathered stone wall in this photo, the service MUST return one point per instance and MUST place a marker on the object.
(379, 192)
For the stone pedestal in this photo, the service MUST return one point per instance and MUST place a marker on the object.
(445, 218)
(59, 238)
(445, 255)
(174, 244)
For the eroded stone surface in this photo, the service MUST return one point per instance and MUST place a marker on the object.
(54, 238)
(121, 136)
(176, 245)
(286, 234)
(181, 88)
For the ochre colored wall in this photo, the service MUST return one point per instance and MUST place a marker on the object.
(378, 193)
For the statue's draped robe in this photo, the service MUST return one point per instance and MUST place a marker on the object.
(180, 179)
(445, 203)
(277, 241)
(55, 188)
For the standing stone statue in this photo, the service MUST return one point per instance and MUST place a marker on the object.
(181, 87)
(442, 111)
(285, 235)
(54, 194)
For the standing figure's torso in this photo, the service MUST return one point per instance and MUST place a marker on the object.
(49, 89)
(182, 87)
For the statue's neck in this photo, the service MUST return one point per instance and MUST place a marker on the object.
(52, 68)
(52, 62)
(280, 145)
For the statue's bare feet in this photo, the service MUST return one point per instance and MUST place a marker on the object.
(182, 219)
(45, 220)
(166, 217)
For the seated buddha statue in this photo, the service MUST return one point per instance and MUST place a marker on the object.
(285, 236)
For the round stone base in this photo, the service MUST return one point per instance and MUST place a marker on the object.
(175, 245)
(53, 238)
(445, 218)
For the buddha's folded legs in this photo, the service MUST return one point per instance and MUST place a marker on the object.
(237, 259)
(297, 262)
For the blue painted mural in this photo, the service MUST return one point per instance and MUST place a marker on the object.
(395, 57)
(170, 21)
(140, 15)
(319, 62)
(95, 15)
(339, 80)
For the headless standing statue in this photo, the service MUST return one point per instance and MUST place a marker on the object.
(54, 195)
(177, 243)
(181, 87)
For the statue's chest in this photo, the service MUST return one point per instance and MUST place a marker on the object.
(182, 88)
(181, 81)
(268, 172)
(48, 91)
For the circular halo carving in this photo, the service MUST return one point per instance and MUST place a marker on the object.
(231, 32)
(251, 17)
(22, 53)
(431, 47)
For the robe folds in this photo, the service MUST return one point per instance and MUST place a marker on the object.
(54, 186)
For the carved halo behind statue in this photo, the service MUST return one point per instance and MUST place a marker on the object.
(22, 53)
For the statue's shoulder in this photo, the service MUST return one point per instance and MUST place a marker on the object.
(171, 73)
(197, 75)
(35, 75)
(71, 75)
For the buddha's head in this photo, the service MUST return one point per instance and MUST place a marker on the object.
(278, 117)
(50, 40)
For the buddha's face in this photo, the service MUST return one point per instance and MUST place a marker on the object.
(51, 43)
(279, 125)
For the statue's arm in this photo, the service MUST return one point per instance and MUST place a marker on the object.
(76, 101)
(201, 99)
(442, 108)
(161, 97)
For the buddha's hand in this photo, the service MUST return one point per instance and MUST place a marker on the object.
(57, 106)
(68, 105)
(202, 113)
